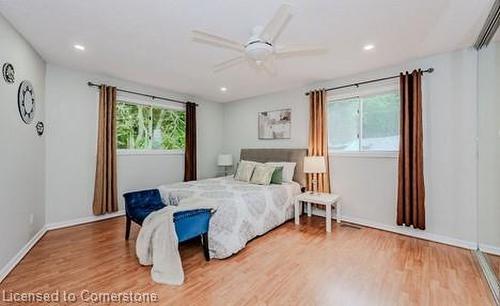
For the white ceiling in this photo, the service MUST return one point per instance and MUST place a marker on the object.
(149, 41)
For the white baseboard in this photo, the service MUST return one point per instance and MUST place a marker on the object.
(490, 249)
(48, 227)
(407, 231)
(20, 255)
(79, 221)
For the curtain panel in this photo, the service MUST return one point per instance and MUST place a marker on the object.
(411, 189)
(105, 190)
(190, 146)
(318, 138)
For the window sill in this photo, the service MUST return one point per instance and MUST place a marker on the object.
(125, 152)
(373, 154)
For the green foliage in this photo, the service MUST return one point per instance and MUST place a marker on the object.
(374, 117)
(381, 115)
(169, 129)
(343, 119)
(146, 127)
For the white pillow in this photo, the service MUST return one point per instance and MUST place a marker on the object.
(288, 170)
(244, 171)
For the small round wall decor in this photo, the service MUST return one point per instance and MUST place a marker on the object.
(40, 128)
(26, 101)
(8, 73)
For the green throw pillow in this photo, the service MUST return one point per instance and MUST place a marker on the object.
(277, 177)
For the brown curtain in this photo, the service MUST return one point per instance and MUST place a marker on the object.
(105, 194)
(411, 189)
(318, 138)
(190, 146)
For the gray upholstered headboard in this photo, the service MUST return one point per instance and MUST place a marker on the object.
(276, 155)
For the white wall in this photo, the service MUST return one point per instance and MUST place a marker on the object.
(22, 189)
(240, 121)
(489, 148)
(71, 145)
(368, 185)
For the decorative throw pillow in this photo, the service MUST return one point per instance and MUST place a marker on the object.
(262, 175)
(277, 177)
(244, 171)
(288, 170)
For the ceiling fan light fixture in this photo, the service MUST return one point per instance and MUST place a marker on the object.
(259, 51)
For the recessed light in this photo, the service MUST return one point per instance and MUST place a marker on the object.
(223, 89)
(369, 47)
(79, 47)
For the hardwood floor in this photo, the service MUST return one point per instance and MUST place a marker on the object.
(291, 265)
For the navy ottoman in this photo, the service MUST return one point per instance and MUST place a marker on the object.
(188, 224)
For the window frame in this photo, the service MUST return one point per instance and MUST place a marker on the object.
(151, 104)
(359, 94)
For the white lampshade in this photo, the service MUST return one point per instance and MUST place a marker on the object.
(225, 160)
(314, 164)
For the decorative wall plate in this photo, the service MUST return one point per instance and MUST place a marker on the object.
(26, 101)
(40, 128)
(8, 73)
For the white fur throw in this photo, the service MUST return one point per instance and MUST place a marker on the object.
(157, 243)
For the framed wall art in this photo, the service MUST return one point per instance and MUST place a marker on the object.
(275, 124)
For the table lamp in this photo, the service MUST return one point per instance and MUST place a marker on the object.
(314, 164)
(225, 160)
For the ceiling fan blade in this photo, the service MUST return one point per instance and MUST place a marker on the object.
(229, 63)
(284, 51)
(274, 27)
(269, 67)
(217, 41)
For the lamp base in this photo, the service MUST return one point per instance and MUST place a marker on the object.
(315, 186)
(226, 172)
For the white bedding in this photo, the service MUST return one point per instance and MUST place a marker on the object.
(245, 210)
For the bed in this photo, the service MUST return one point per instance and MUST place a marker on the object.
(245, 210)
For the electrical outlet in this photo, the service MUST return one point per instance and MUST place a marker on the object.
(32, 219)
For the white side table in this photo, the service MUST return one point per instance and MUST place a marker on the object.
(326, 199)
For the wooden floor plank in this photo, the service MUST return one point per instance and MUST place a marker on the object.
(291, 265)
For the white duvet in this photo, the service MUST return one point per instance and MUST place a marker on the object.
(244, 211)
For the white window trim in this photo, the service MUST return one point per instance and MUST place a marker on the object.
(155, 103)
(158, 104)
(360, 93)
(365, 154)
(125, 152)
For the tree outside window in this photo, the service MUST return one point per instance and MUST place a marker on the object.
(146, 127)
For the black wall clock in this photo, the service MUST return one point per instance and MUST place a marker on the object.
(26, 101)
(8, 73)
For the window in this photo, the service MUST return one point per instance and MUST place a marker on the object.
(364, 123)
(143, 127)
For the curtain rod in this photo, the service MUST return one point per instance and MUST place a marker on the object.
(142, 94)
(430, 70)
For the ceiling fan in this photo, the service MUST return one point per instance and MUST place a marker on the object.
(260, 48)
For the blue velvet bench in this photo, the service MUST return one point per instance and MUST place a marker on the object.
(188, 224)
